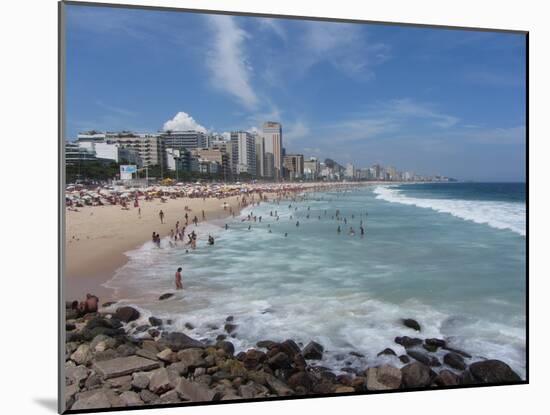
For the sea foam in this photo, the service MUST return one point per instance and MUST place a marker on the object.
(499, 215)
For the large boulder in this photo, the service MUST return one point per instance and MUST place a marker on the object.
(169, 397)
(424, 358)
(277, 387)
(412, 324)
(300, 379)
(193, 391)
(140, 380)
(192, 358)
(446, 378)
(131, 398)
(101, 342)
(148, 397)
(97, 400)
(454, 360)
(253, 358)
(280, 361)
(289, 347)
(76, 374)
(415, 375)
(267, 344)
(167, 355)
(253, 390)
(155, 321)
(383, 378)
(493, 371)
(179, 341)
(82, 355)
(436, 342)
(226, 346)
(313, 351)
(121, 366)
(159, 382)
(460, 352)
(100, 326)
(407, 341)
(387, 352)
(126, 314)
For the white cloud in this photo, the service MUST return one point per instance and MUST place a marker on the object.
(183, 122)
(227, 60)
(117, 110)
(275, 26)
(406, 107)
(512, 135)
(226, 135)
(296, 131)
(254, 130)
(344, 46)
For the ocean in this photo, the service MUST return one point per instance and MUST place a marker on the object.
(450, 255)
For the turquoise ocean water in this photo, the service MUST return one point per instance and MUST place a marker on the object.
(452, 256)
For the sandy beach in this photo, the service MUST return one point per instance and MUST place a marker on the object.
(98, 236)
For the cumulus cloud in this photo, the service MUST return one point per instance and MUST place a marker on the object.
(183, 122)
(227, 60)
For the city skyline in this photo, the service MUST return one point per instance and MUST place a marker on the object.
(339, 90)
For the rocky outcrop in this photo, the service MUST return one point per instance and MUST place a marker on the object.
(109, 366)
(416, 375)
(383, 378)
(412, 324)
(313, 351)
(126, 314)
(493, 371)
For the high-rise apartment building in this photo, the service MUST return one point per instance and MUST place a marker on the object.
(294, 165)
(273, 141)
(243, 148)
(260, 155)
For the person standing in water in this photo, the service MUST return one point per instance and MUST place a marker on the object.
(161, 216)
(179, 285)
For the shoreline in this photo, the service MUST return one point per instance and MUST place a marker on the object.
(126, 356)
(97, 237)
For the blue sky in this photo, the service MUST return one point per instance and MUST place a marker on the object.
(430, 101)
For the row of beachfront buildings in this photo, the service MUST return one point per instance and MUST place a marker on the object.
(240, 154)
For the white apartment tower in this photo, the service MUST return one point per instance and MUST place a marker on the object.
(243, 152)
